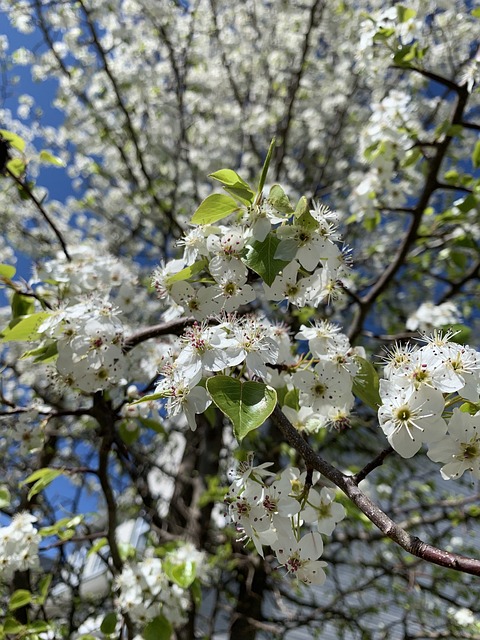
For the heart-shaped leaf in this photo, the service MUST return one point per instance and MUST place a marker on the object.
(247, 404)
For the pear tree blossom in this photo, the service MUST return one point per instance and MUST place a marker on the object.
(242, 350)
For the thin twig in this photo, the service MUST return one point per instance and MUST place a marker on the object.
(24, 186)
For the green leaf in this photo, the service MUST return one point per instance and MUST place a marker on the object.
(365, 384)
(12, 626)
(42, 355)
(266, 164)
(404, 14)
(23, 191)
(158, 629)
(196, 591)
(39, 626)
(292, 399)
(17, 167)
(15, 141)
(405, 54)
(451, 176)
(468, 203)
(213, 208)
(302, 207)
(109, 623)
(247, 404)
(462, 333)
(26, 329)
(99, 544)
(7, 271)
(182, 574)
(411, 157)
(246, 196)
(43, 587)
(61, 527)
(307, 221)
(20, 598)
(260, 257)
(41, 478)
(22, 305)
(476, 155)
(154, 425)
(383, 34)
(229, 178)
(279, 200)
(5, 497)
(187, 273)
(475, 12)
(287, 250)
(128, 435)
(49, 158)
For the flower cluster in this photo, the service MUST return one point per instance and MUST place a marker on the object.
(288, 256)
(270, 511)
(146, 590)
(18, 546)
(310, 261)
(89, 338)
(429, 316)
(420, 383)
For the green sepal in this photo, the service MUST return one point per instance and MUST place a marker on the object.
(151, 396)
(470, 407)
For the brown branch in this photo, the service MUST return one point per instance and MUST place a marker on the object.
(430, 186)
(387, 526)
(373, 464)
(283, 127)
(24, 186)
(432, 76)
(105, 416)
(128, 120)
(172, 328)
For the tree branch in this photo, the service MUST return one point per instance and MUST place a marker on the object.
(387, 526)
(24, 186)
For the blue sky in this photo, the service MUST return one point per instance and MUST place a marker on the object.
(53, 179)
